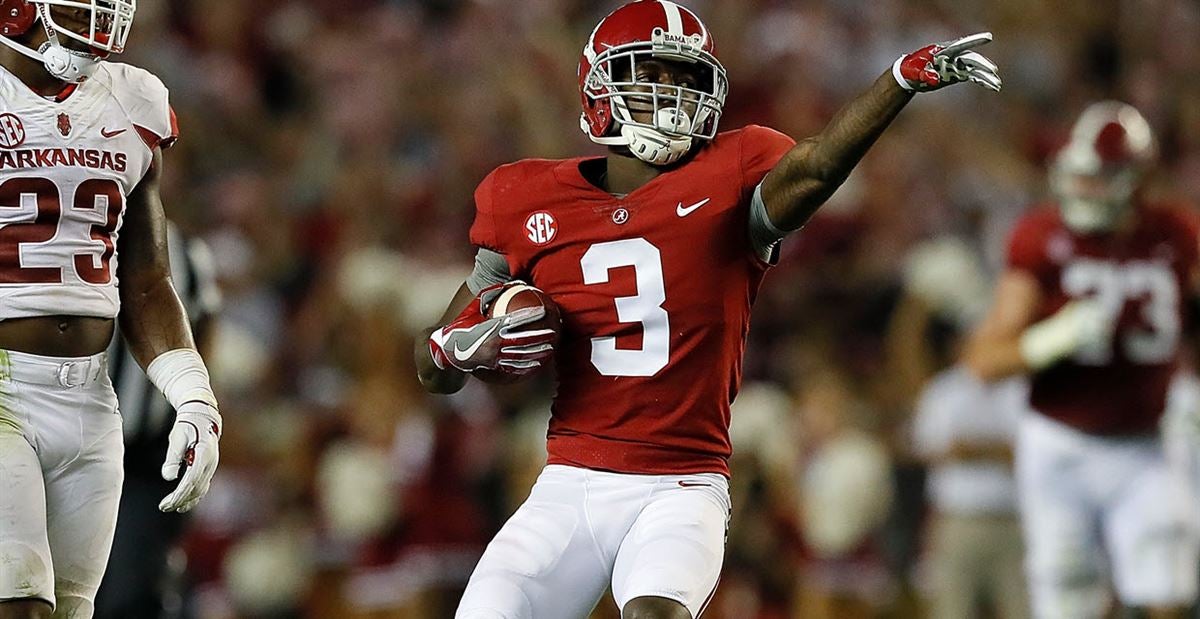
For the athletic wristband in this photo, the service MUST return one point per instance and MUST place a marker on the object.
(899, 76)
(181, 376)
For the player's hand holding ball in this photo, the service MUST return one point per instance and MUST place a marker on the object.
(506, 333)
(941, 64)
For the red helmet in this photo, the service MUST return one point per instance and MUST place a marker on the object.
(16, 17)
(1097, 173)
(108, 22)
(637, 31)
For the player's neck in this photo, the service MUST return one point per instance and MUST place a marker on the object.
(625, 173)
(31, 72)
(1127, 224)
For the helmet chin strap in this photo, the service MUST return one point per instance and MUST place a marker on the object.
(65, 64)
(651, 145)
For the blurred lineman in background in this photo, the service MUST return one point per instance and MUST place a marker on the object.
(656, 303)
(1092, 306)
(81, 144)
(140, 580)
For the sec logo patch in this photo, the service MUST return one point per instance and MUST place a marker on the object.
(12, 131)
(541, 228)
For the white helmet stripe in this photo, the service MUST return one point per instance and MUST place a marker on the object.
(674, 17)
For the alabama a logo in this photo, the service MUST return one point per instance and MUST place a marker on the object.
(64, 124)
(541, 228)
(12, 131)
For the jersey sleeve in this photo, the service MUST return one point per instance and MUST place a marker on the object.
(1027, 244)
(1189, 238)
(490, 269)
(761, 149)
(146, 102)
(483, 232)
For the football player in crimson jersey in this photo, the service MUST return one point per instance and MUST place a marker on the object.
(1092, 306)
(81, 144)
(654, 253)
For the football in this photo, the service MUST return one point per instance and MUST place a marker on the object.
(520, 296)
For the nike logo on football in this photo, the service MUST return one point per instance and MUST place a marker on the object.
(693, 484)
(463, 355)
(112, 134)
(684, 212)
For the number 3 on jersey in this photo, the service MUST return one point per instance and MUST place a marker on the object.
(31, 216)
(644, 307)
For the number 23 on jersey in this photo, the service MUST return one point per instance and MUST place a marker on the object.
(39, 245)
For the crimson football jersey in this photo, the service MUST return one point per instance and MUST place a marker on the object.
(655, 290)
(1117, 385)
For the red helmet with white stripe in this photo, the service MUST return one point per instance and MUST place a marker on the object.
(1097, 174)
(608, 81)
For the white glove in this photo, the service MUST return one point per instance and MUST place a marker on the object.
(941, 64)
(1077, 325)
(191, 448)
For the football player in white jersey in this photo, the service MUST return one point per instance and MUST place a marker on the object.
(81, 144)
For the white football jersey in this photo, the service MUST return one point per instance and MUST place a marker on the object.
(66, 167)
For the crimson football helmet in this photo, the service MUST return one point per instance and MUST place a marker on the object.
(609, 81)
(109, 22)
(1096, 175)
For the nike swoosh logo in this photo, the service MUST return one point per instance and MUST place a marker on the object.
(112, 134)
(692, 484)
(684, 212)
(463, 355)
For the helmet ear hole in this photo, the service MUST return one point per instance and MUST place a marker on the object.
(16, 17)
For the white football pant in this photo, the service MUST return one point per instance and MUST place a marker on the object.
(60, 478)
(580, 530)
(1097, 508)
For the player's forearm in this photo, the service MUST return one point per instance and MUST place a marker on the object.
(994, 359)
(980, 451)
(153, 320)
(433, 378)
(808, 174)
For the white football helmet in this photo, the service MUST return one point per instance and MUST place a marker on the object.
(1097, 174)
(109, 22)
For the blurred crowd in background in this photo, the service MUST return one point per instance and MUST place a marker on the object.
(328, 156)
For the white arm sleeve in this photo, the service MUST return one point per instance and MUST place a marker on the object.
(764, 236)
(490, 268)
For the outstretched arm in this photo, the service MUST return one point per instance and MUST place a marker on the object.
(156, 328)
(808, 174)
